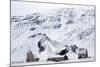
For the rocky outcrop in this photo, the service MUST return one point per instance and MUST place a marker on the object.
(30, 57)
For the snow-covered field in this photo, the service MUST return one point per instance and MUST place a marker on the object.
(55, 26)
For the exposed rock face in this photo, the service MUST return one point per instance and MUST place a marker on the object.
(57, 59)
(30, 57)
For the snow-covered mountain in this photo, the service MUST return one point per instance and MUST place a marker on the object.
(58, 29)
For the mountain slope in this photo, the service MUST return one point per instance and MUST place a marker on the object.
(62, 27)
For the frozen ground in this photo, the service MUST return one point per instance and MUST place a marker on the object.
(61, 26)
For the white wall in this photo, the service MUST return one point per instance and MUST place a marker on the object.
(5, 32)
